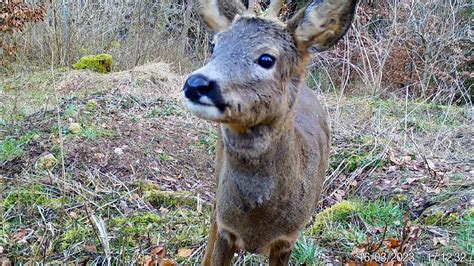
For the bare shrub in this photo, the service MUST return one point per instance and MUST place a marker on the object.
(14, 15)
(134, 32)
(419, 48)
(415, 49)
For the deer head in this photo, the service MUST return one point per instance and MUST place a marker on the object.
(258, 63)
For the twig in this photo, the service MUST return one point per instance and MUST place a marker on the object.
(383, 237)
(430, 171)
(86, 207)
(61, 140)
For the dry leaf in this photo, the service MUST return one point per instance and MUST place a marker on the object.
(350, 263)
(411, 180)
(354, 183)
(184, 252)
(338, 195)
(431, 164)
(440, 240)
(377, 230)
(399, 160)
(90, 248)
(164, 210)
(167, 262)
(19, 235)
(74, 215)
(392, 168)
(158, 251)
(431, 190)
(394, 243)
(147, 261)
(415, 234)
(358, 250)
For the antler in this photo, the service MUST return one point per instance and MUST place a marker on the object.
(274, 8)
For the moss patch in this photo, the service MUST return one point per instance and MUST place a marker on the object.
(28, 196)
(348, 222)
(136, 226)
(11, 148)
(73, 235)
(170, 199)
(166, 199)
(338, 212)
(101, 63)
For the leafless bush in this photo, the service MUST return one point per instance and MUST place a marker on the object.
(418, 49)
(414, 48)
(14, 15)
(134, 32)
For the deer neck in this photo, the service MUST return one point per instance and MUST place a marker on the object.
(257, 165)
(260, 161)
(252, 145)
(258, 144)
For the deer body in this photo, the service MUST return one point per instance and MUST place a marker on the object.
(268, 198)
(273, 142)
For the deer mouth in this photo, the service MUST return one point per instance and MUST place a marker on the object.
(206, 109)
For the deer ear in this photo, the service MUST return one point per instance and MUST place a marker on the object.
(322, 23)
(219, 14)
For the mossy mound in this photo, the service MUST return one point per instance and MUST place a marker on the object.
(101, 63)
(339, 211)
(167, 199)
(341, 215)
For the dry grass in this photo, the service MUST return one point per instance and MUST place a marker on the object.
(133, 32)
(137, 142)
(137, 175)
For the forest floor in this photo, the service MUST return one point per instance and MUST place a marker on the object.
(97, 167)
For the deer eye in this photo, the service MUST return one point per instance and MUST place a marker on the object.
(211, 47)
(266, 61)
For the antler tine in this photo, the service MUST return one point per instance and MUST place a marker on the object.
(274, 8)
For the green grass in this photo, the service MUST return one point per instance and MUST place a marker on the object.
(465, 234)
(173, 222)
(27, 196)
(361, 151)
(94, 132)
(166, 108)
(11, 148)
(305, 252)
(347, 223)
(70, 111)
(165, 157)
(425, 117)
(25, 94)
(208, 140)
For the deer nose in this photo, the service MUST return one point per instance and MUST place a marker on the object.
(196, 86)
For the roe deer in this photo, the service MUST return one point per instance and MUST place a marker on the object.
(274, 137)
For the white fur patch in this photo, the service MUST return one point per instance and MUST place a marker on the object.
(206, 100)
(204, 111)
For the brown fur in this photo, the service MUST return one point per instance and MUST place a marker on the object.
(273, 141)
